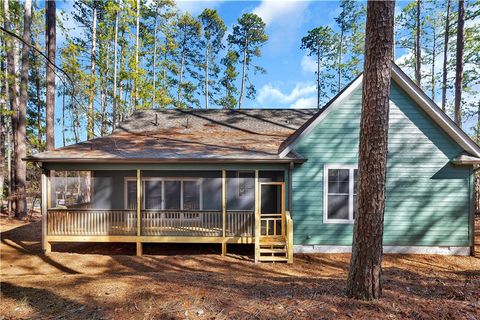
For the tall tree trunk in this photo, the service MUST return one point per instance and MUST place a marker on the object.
(10, 172)
(476, 169)
(91, 87)
(63, 118)
(11, 77)
(51, 45)
(364, 278)
(7, 148)
(137, 37)
(244, 67)
(182, 63)
(459, 63)
(445, 57)
(21, 148)
(3, 125)
(103, 94)
(418, 46)
(155, 60)
(115, 45)
(120, 104)
(434, 55)
(39, 104)
(340, 58)
(74, 116)
(206, 76)
(318, 78)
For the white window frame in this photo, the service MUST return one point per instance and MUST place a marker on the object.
(351, 182)
(163, 179)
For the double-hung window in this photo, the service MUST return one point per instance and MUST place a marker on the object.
(340, 193)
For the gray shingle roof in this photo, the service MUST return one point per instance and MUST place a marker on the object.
(192, 135)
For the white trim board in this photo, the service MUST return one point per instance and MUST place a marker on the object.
(414, 92)
(441, 250)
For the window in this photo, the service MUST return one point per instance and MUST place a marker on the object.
(165, 193)
(340, 193)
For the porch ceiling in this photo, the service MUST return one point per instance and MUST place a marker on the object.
(194, 135)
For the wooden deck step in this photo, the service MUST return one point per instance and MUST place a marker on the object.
(273, 243)
(272, 259)
(267, 250)
(273, 250)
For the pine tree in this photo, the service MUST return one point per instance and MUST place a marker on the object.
(364, 278)
(349, 38)
(20, 133)
(188, 37)
(320, 43)
(445, 55)
(230, 74)
(459, 63)
(248, 36)
(51, 45)
(210, 44)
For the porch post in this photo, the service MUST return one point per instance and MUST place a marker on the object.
(224, 211)
(257, 219)
(46, 247)
(139, 211)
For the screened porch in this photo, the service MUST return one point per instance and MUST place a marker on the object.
(163, 206)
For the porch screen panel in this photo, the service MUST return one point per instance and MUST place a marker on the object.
(241, 190)
(131, 194)
(191, 195)
(173, 195)
(153, 194)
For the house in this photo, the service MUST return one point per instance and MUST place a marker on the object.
(281, 180)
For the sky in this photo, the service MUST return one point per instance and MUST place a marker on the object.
(290, 78)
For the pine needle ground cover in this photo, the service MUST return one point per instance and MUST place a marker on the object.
(87, 281)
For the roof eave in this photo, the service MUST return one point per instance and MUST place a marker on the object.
(164, 161)
(465, 160)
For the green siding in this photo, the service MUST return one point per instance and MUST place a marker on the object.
(428, 199)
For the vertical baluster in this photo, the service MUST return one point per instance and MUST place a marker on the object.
(160, 223)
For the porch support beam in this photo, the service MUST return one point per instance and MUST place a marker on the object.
(224, 211)
(257, 218)
(46, 246)
(139, 212)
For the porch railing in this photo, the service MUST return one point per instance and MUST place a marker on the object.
(181, 223)
(202, 223)
(91, 222)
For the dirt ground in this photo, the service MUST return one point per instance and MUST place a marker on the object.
(106, 281)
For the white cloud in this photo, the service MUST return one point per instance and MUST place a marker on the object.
(269, 93)
(308, 64)
(279, 11)
(196, 7)
(304, 103)
(303, 95)
(283, 20)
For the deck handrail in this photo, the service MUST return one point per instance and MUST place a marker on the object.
(200, 223)
(289, 235)
(105, 222)
(67, 222)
